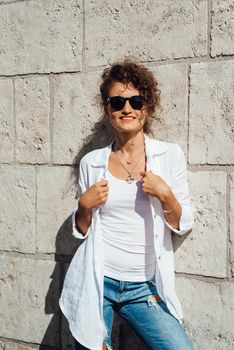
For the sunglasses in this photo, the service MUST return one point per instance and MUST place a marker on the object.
(118, 102)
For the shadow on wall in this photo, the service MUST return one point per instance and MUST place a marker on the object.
(57, 335)
(65, 247)
(101, 136)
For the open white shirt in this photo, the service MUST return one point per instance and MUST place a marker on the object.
(81, 300)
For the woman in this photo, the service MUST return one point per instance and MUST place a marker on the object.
(133, 193)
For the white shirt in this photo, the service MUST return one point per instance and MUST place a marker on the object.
(81, 300)
(128, 232)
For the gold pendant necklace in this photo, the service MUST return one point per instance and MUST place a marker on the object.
(130, 179)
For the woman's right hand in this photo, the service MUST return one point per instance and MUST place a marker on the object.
(95, 196)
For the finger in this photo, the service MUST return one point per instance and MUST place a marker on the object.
(103, 182)
(104, 189)
(143, 187)
(104, 196)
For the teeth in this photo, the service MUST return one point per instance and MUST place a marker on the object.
(127, 118)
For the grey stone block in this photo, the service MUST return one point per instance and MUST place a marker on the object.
(29, 300)
(173, 118)
(211, 113)
(32, 106)
(6, 121)
(55, 202)
(147, 29)
(75, 112)
(204, 252)
(10, 345)
(40, 36)
(208, 312)
(222, 32)
(17, 209)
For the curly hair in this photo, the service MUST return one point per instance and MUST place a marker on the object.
(128, 71)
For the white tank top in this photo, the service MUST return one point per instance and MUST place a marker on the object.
(128, 236)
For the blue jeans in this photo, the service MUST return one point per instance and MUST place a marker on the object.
(139, 304)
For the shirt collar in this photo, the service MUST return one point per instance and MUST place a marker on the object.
(152, 147)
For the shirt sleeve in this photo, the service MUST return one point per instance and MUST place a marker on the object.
(82, 187)
(179, 187)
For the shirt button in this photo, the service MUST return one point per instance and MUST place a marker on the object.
(154, 215)
(156, 236)
(159, 257)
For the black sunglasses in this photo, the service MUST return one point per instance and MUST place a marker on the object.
(118, 102)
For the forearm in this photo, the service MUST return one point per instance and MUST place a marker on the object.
(172, 209)
(83, 219)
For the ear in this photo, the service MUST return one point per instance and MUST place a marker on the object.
(144, 114)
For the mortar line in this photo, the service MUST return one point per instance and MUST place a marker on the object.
(188, 111)
(25, 75)
(83, 38)
(14, 123)
(51, 118)
(228, 209)
(191, 167)
(15, 2)
(203, 278)
(35, 213)
(151, 64)
(209, 27)
(37, 256)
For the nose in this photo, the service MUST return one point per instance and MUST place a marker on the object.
(127, 108)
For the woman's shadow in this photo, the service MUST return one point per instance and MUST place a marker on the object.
(57, 335)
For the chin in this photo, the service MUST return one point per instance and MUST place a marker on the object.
(128, 129)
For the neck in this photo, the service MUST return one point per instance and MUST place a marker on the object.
(129, 143)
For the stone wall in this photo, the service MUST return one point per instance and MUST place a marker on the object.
(51, 55)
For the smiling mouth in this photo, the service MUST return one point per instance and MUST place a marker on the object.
(127, 118)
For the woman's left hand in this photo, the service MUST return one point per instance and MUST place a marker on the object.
(157, 187)
(154, 185)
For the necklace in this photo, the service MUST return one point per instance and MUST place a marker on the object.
(130, 177)
(127, 161)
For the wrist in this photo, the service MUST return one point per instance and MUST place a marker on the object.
(82, 215)
(168, 202)
(165, 196)
(172, 208)
(82, 206)
(82, 221)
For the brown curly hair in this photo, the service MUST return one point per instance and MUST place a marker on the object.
(128, 71)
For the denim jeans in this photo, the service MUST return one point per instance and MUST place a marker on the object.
(139, 304)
